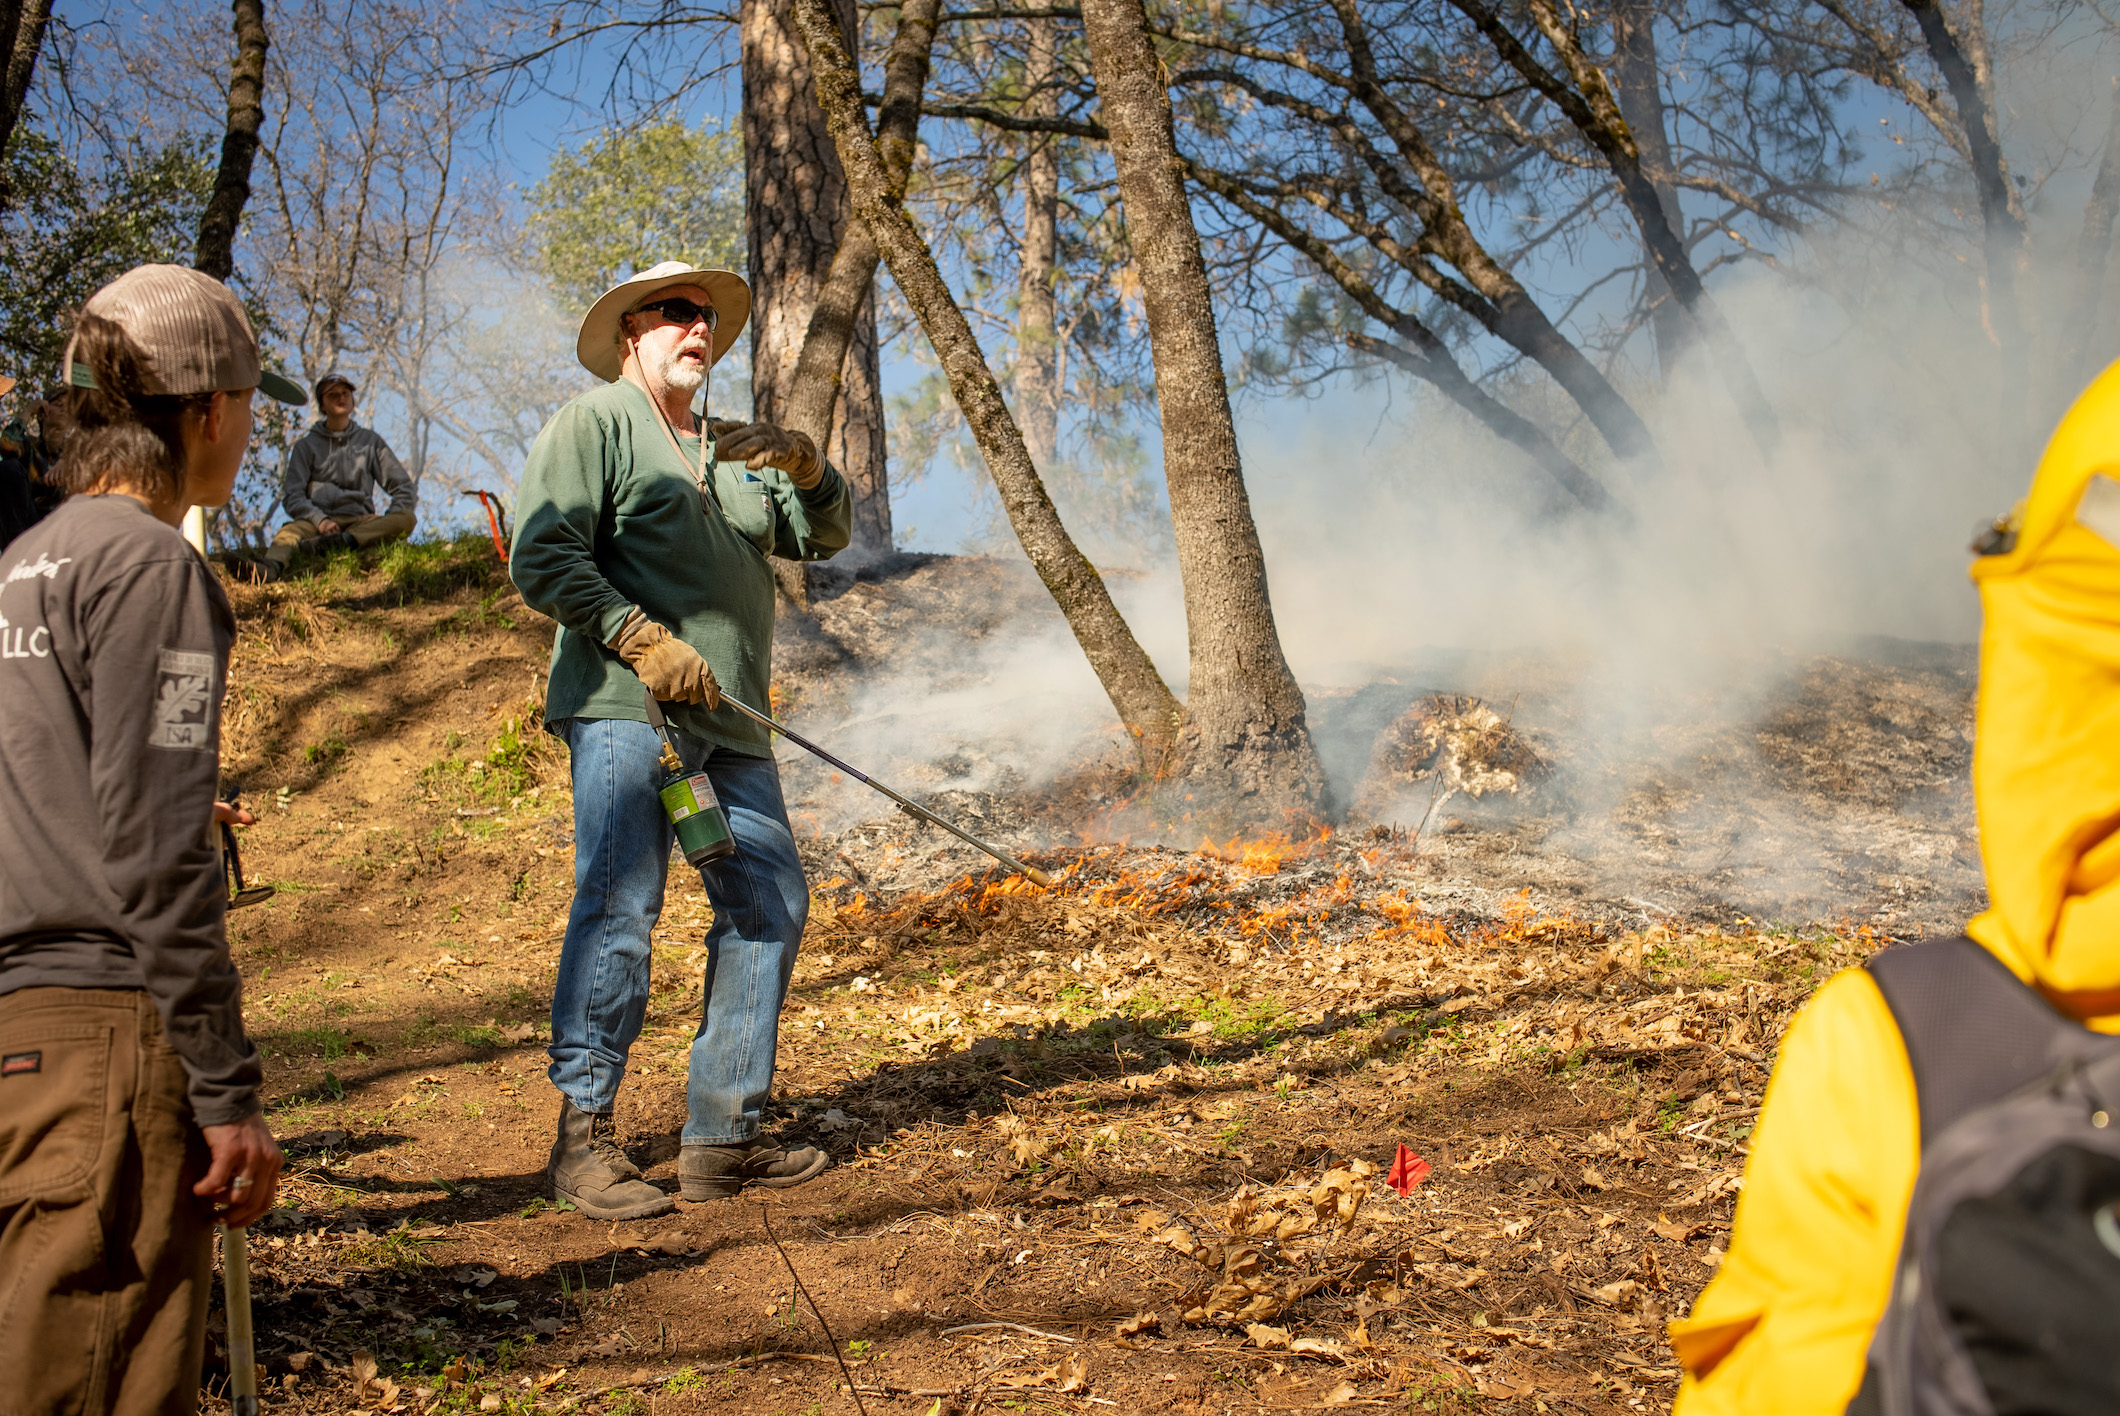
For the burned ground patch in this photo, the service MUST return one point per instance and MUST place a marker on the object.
(1119, 1145)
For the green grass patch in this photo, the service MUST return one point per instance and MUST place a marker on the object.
(326, 1044)
(430, 570)
(512, 764)
(399, 1249)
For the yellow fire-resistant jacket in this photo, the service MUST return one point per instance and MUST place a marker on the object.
(1785, 1326)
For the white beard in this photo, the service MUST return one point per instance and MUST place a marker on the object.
(675, 373)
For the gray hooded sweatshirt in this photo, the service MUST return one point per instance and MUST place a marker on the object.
(335, 475)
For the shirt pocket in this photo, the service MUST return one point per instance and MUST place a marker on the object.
(54, 1085)
(746, 504)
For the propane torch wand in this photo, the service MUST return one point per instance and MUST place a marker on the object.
(911, 808)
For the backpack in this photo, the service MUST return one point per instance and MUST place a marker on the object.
(2006, 1299)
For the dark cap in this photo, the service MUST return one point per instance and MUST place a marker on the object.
(333, 378)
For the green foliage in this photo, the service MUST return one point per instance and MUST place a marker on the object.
(430, 570)
(328, 1043)
(398, 1249)
(511, 766)
(630, 198)
(66, 230)
(509, 759)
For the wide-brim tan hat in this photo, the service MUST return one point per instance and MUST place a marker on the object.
(597, 346)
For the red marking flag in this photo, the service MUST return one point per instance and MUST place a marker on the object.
(1407, 1171)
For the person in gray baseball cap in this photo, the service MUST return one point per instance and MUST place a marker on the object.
(328, 490)
(129, 1106)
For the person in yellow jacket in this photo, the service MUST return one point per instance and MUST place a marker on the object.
(1786, 1324)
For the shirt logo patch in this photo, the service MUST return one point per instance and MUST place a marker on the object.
(16, 1063)
(183, 702)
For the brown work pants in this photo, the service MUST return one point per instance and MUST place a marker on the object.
(369, 531)
(106, 1256)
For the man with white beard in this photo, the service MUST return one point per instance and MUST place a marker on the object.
(643, 528)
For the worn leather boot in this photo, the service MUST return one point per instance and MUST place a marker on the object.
(589, 1169)
(717, 1172)
(320, 545)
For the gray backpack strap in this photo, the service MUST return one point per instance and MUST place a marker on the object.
(1973, 1033)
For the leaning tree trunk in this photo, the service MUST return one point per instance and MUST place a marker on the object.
(1641, 103)
(1586, 98)
(835, 322)
(2006, 238)
(796, 211)
(1246, 746)
(2094, 247)
(1037, 373)
(21, 40)
(239, 146)
(1137, 691)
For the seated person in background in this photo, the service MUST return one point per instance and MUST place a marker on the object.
(328, 491)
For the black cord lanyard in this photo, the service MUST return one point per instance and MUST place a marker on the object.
(662, 420)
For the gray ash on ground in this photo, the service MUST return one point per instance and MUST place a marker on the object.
(1838, 790)
(1829, 787)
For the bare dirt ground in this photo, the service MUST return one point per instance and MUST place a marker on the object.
(1120, 1145)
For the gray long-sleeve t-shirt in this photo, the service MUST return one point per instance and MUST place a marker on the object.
(335, 474)
(114, 640)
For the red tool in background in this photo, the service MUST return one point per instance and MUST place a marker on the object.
(496, 519)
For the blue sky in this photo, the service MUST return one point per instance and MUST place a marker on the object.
(937, 507)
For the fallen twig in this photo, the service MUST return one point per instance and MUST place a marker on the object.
(976, 1327)
(767, 1222)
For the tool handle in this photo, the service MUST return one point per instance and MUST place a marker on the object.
(671, 762)
(242, 1347)
(1028, 872)
(228, 837)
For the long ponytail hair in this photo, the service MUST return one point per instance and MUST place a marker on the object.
(122, 437)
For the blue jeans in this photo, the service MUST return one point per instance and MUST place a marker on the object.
(621, 857)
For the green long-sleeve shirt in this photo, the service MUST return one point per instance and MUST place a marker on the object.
(607, 519)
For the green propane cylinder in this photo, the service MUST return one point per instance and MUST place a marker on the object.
(688, 800)
(702, 830)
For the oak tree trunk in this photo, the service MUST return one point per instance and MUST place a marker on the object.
(2006, 237)
(21, 40)
(796, 211)
(1246, 746)
(2094, 248)
(1586, 98)
(1037, 373)
(835, 321)
(1137, 691)
(239, 145)
(1500, 303)
(1641, 103)
(1423, 354)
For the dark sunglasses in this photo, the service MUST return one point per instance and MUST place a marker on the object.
(680, 311)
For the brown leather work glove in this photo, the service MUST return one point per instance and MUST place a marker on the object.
(671, 668)
(758, 445)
